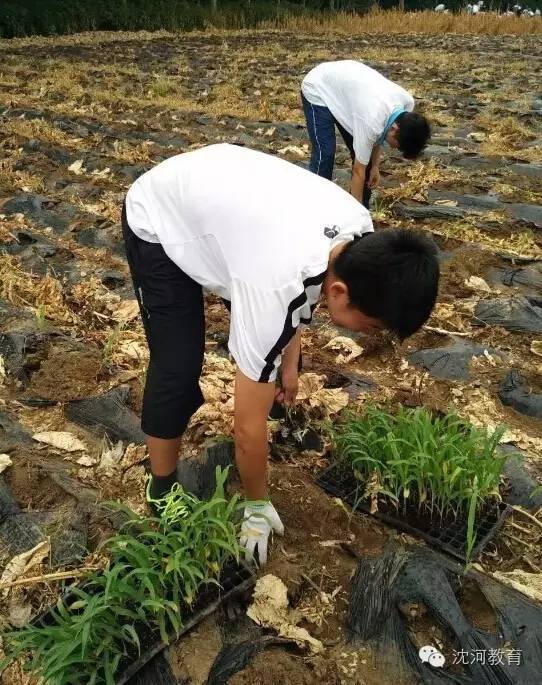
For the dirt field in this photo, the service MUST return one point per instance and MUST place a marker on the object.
(83, 116)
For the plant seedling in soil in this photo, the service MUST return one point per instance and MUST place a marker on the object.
(111, 344)
(471, 535)
(157, 568)
(442, 464)
(40, 317)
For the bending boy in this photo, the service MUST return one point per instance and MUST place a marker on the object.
(270, 238)
(369, 110)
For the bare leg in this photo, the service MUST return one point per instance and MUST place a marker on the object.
(163, 454)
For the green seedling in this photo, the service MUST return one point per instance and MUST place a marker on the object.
(471, 535)
(111, 344)
(157, 567)
(443, 464)
(40, 317)
(163, 87)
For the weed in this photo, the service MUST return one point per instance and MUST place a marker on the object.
(422, 175)
(142, 378)
(522, 243)
(52, 17)
(379, 21)
(111, 344)
(163, 87)
(381, 208)
(33, 292)
(40, 317)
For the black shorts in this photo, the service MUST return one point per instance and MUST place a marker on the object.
(171, 305)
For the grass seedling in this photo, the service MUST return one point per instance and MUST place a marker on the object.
(471, 535)
(163, 87)
(111, 344)
(40, 317)
(157, 567)
(443, 464)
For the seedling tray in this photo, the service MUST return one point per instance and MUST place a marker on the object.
(234, 580)
(449, 535)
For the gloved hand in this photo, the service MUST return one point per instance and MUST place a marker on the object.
(259, 521)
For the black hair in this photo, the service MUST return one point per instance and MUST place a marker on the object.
(412, 134)
(392, 276)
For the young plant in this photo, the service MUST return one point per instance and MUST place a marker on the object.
(157, 567)
(440, 463)
(471, 535)
(111, 344)
(40, 317)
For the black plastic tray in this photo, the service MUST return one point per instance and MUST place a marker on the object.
(339, 481)
(235, 579)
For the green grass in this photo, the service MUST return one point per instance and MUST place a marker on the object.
(163, 87)
(41, 318)
(157, 566)
(442, 464)
(111, 344)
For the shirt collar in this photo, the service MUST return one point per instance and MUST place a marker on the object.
(393, 116)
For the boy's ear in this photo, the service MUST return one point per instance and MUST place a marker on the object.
(394, 130)
(338, 289)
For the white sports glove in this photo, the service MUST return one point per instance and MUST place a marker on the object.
(259, 521)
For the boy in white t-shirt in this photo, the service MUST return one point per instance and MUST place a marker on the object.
(270, 238)
(369, 110)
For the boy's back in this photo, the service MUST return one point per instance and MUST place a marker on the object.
(225, 212)
(253, 229)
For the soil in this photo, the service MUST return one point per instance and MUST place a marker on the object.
(32, 487)
(466, 261)
(424, 631)
(476, 608)
(276, 666)
(192, 658)
(67, 374)
(317, 560)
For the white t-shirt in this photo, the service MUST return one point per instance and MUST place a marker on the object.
(255, 230)
(360, 98)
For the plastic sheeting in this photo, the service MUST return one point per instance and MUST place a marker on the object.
(108, 415)
(383, 585)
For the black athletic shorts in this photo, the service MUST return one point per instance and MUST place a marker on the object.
(171, 306)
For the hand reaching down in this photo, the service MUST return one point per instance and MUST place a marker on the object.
(259, 521)
(374, 177)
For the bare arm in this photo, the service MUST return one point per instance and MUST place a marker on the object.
(289, 371)
(358, 180)
(374, 173)
(376, 156)
(290, 356)
(252, 404)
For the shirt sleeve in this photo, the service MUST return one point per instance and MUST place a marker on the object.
(409, 103)
(365, 137)
(263, 321)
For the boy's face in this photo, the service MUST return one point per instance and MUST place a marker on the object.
(342, 313)
(391, 137)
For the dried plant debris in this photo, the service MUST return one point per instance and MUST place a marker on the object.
(269, 609)
(83, 116)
